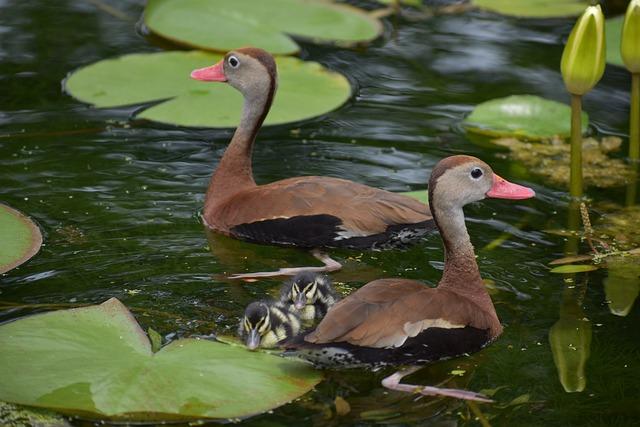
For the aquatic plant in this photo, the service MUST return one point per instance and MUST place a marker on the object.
(21, 238)
(582, 66)
(630, 51)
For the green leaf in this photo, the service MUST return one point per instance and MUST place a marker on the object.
(524, 116)
(574, 268)
(534, 8)
(305, 90)
(224, 25)
(21, 238)
(613, 33)
(156, 340)
(419, 195)
(97, 361)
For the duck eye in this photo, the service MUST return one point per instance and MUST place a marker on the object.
(234, 61)
(476, 173)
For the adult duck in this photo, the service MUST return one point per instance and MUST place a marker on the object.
(404, 322)
(309, 211)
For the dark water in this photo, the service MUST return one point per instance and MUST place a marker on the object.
(118, 201)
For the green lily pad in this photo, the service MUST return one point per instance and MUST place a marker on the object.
(419, 195)
(574, 268)
(98, 362)
(21, 238)
(524, 116)
(224, 25)
(613, 34)
(534, 8)
(305, 89)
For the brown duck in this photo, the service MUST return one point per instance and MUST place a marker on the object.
(309, 211)
(404, 322)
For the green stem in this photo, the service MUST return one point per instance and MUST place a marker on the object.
(575, 184)
(634, 119)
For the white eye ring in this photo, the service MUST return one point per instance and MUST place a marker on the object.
(234, 61)
(476, 173)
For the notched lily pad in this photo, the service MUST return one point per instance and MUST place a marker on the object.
(523, 116)
(305, 90)
(613, 33)
(533, 8)
(97, 361)
(552, 160)
(19, 236)
(223, 25)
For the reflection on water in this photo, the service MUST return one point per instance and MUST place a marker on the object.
(119, 202)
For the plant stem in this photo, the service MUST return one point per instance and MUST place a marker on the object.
(575, 183)
(634, 119)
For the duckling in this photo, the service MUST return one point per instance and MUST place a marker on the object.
(310, 294)
(266, 323)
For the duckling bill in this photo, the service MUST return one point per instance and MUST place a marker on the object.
(310, 294)
(265, 324)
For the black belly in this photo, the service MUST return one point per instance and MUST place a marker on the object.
(429, 346)
(322, 231)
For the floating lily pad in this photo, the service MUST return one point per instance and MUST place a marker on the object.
(305, 90)
(223, 25)
(552, 160)
(613, 32)
(574, 268)
(21, 238)
(534, 8)
(97, 361)
(419, 195)
(524, 116)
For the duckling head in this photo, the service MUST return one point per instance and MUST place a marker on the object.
(306, 288)
(255, 324)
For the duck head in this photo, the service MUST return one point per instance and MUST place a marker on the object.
(250, 70)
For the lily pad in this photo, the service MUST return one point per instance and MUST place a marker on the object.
(525, 116)
(223, 25)
(305, 90)
(574, 268)
(419, 195)
(21, 238)
(613, 33)
(98, 362)
(534, 8)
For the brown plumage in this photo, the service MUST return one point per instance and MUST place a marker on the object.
(307, 211)
(400, 321)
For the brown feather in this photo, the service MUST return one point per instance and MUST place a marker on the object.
(362, 210)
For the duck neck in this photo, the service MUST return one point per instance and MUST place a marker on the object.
(234, 173)
(460, 267)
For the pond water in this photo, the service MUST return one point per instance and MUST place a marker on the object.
(118, 201)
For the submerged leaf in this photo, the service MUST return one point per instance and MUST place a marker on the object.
(97, 361)
(419, 195)
(305, 89)
(228, 24)
(574, 268)
(533, 8)
(622, 285)
(526, 116)
(552, 160)
(20, 238)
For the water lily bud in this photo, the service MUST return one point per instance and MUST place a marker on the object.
(583, 58)
(630, 45)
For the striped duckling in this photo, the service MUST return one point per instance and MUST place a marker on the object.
(310, 294)
(266, 323)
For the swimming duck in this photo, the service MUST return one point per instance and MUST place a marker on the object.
(310, 294)
(403, 322)
(266, 323)
(310, 211)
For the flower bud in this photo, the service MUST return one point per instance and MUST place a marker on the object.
(630, 42)
(583, 58)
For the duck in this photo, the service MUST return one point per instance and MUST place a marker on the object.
(311, 212)
(310, 294)
(267, 323)
(391, 322)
